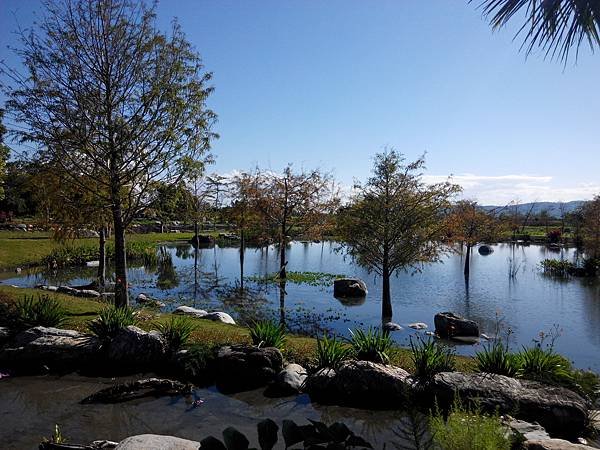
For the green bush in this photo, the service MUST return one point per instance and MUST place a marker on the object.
(496, 358)
(41, 310)
(110, 320)
(176, 331)
(267, 334)
(331, 352)
(373, 345)
(430, 358)
(557, 267)
(543, 364)
(469, 429)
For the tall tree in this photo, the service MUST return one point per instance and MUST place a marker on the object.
(4, 153)
(470, 225)
(555, 26)
(292, 203)
(395, 221)
(113, 99)
(591, 228)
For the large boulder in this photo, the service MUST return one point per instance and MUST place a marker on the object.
(132, 346)
(189, 311)
(554, 444)
(243, 367)
(156, 442)
(49, 348)
(557, 409)
(360, 383)
(349, 288)
(202, 314)
(219, 317)
(450, 325)
(289, 381)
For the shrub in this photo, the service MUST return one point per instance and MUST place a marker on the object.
(110, 320)
(42, 311)
(469, 429)
(197, 363)
(557, 267)
(374, 345)
(267, 334)
(331, 352)
(543, 364)
(496, 358)
(430, 358)
(176, 331)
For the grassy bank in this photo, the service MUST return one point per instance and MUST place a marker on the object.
(27, 249)
(299, 349)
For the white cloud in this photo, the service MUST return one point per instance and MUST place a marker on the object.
(502, 189)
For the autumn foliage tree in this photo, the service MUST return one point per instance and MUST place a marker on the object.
(469, 224)
(112, 99)
(591, 228)
(395, 221)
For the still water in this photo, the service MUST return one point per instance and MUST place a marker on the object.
(506, 285)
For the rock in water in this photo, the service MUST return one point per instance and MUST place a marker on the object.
(147, 387)
(391, 326)
(449, 325)
(289, 381)
(349, 287)
(360, 383)
(557, 409)
(485, 250)
(418, 326)
(52, 347)
(156, 442)
(244, 367)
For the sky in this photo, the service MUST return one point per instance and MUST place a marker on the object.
(330, 83)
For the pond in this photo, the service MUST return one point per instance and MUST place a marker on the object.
(506, 285)
(30, 406)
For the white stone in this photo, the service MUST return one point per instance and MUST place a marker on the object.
(156, 442)
(418, 326)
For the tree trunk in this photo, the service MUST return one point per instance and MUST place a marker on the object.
(121, 294)
(196, 230)
(282, 271)
(386, 304)
(102, 257)
(468, 263)
(282, 302)
(242, 249)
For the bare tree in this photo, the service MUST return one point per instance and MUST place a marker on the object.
(112, 99)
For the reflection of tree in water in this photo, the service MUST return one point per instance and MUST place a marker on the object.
(167, 275)
(184, 251)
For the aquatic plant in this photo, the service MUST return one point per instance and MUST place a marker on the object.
(543, 364)
(267, 334)
(373, 345)
(430, 358)
(469, 429)
(557, 267)
(313, 435)
(41, 310)
(56, 438)
(176, 331)
(331, 352)
(110, 320)
(310, 278)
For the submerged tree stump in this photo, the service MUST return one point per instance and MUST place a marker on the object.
(148, 387)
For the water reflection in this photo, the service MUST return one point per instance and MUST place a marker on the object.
(507, 283)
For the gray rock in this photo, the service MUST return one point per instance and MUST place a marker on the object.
(52, 347)
(243, 367)
(189, 311)
(4, 333)
(48, 288)
(526, 430)
(219, 317)
(143, 299)
(418, 326)
(485, 250)
(554, 444)
(360, 383)
(289, 381)
(133, 346)
(156, 442)
(349, 287)
(86, 293)
(391, 326)
(449, 325)
(555, 408)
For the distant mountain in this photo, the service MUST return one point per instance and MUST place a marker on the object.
(552, 208)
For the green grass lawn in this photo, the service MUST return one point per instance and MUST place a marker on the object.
(299, 349)
(23, 249)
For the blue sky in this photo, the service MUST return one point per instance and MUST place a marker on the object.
(330, 83)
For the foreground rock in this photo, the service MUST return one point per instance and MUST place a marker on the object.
(50, 348)
(449, 325)
(155, 441)
(289, 381)
(243, 367)
(557, 409)
(526, 431)
(202, 314)
(132, 346)
(349, 287)
(360, 383)
(554, 444)
(148, 387)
